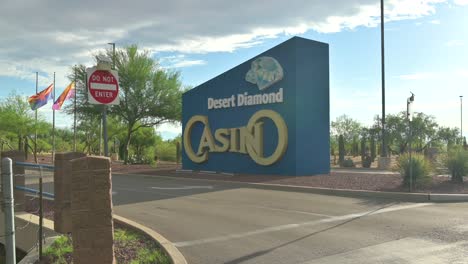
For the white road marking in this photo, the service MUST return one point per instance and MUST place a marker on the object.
(406, 250)
(159, 193)
(183, 188)
(289, 210)
(291, 226)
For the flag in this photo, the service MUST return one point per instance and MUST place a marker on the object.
(40, 99)
(67, 93)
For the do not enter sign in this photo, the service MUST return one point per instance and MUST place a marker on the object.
(103, 87)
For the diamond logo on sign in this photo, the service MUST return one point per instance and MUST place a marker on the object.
(264, 72)
(103, 87)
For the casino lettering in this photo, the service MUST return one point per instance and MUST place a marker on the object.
(244, 140)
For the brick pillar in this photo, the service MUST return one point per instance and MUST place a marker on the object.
(62, 190)
(91, 210)
(19, 196)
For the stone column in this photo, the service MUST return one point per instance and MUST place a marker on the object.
(91, 210)
(62, 190)
(19, 196)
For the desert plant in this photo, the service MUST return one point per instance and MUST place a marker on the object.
(348, 163)
(363, 148)
(341, 149)
(373, 149)
(421, 169)
(457, 163)
(366, 161)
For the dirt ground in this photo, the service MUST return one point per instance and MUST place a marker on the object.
(346, 178)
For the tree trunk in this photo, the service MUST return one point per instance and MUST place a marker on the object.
(20, 143)
(26, 144)
(127, 142)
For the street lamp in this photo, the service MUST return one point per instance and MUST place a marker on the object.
(409, 116)
(382, 57)
(461, 118)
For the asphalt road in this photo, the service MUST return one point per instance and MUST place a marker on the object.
(221, 222)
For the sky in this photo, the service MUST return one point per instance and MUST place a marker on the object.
(426, 44)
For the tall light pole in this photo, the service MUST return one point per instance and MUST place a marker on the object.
(382, 45)
(409, 115)
(461, 118)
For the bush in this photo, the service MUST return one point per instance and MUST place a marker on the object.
(457, 163)
(421, 169)
(348, 163)
(366, 161)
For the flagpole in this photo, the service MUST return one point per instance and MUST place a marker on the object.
(35, 126)
(53, 126)
(74, 115)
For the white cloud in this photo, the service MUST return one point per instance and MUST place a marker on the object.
(188, 63)
(70, 32)
(461, 2)
(179, 61)
(435, 22)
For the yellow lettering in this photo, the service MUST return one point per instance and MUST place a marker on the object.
(246, 140)
(282, 137)
(206, 141)
(188, 142)
(220, 137)
(234, 140)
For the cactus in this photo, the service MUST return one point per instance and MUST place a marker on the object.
(373, 149)
(341, 149)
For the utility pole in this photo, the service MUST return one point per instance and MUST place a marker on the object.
(409, 115)
(382, 45)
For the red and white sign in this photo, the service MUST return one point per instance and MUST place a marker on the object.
(103, 87)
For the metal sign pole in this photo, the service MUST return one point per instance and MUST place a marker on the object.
(104, 125)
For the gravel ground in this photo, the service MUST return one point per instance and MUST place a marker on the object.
(357, 180)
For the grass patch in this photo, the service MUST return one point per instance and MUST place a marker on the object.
(60, 251)
(129, 247)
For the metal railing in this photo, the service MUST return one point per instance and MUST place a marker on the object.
(7, 176)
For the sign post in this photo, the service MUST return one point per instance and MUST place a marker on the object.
(103, 89)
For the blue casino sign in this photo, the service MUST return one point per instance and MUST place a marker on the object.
(268, 115)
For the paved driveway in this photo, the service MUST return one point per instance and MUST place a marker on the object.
(222, 222)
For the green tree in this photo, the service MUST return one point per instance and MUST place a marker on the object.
(149, 95)
(346, 126)
(425, 130)
(18, 124)
(143, 139)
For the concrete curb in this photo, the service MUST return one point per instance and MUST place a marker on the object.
(400, 196)
(166, 245)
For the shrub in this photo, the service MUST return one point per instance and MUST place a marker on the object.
(366, 161)
(348, 163)
(421, 169)
(457, 163)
